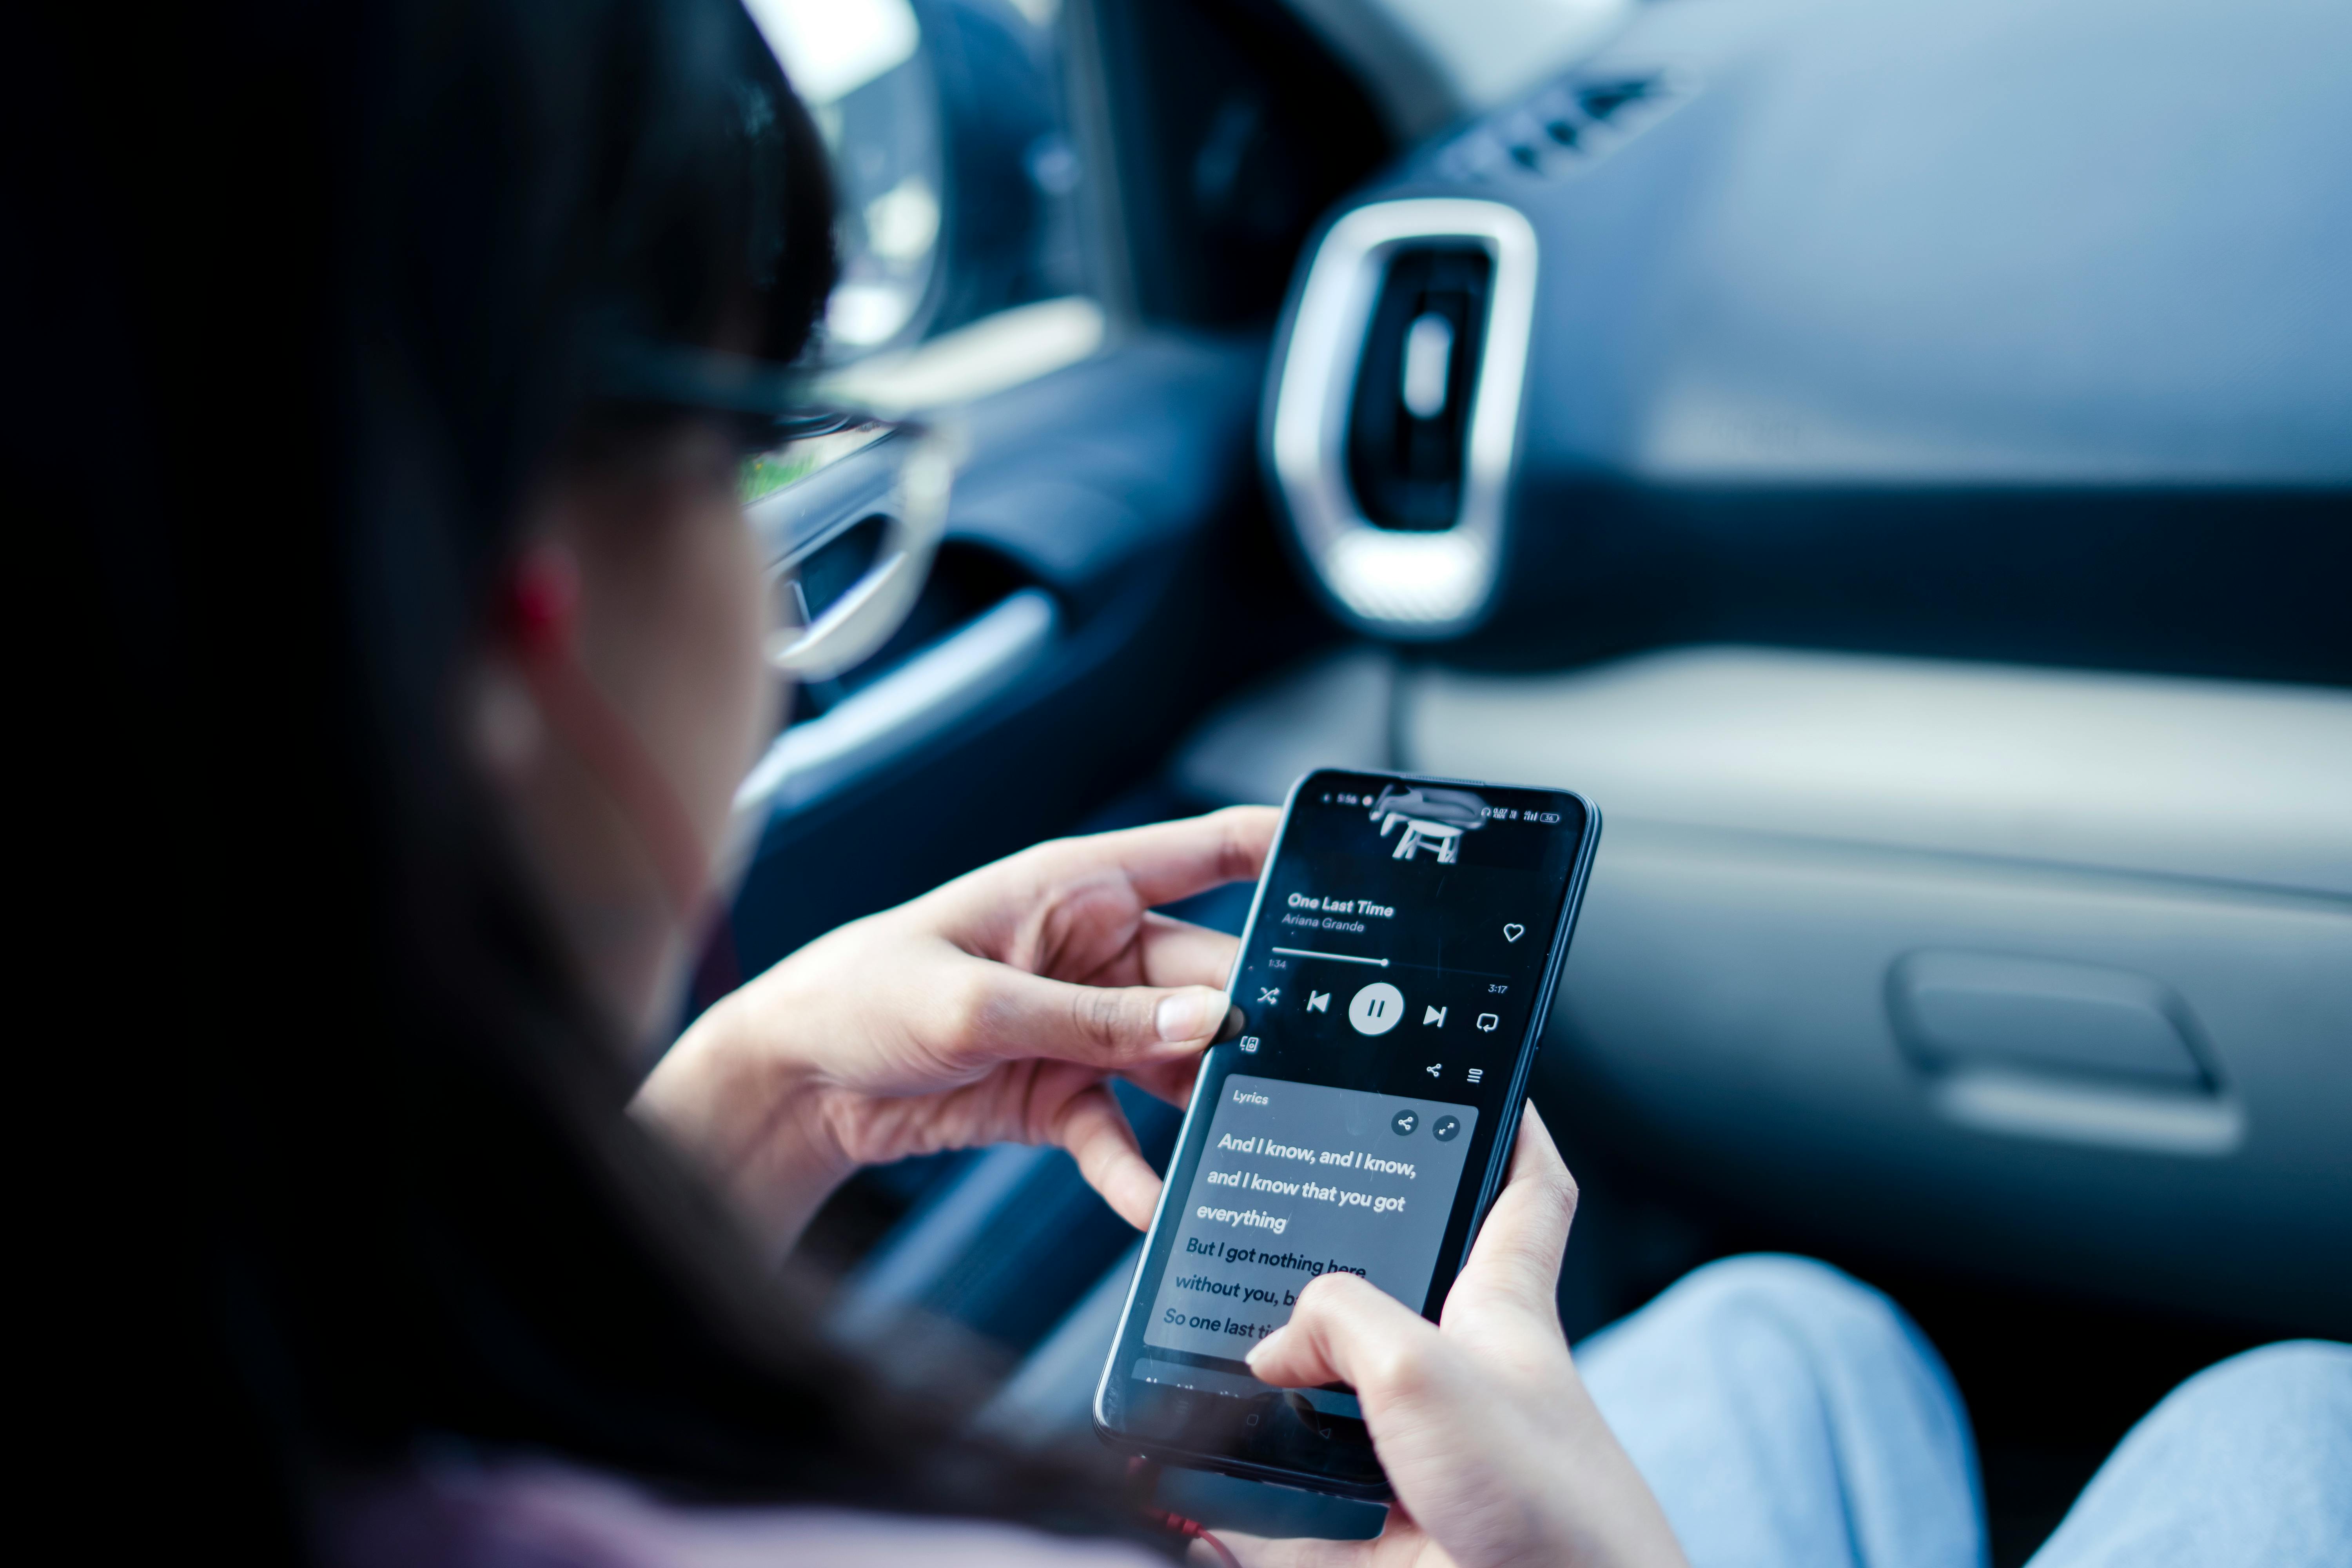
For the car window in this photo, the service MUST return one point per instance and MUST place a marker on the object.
(956, 174)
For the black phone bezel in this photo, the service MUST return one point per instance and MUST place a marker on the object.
(1490, 1184)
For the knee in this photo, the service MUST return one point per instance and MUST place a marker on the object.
(1774, 1276)
(2242, 1463)
(1796, 1294)
(2294, 1388)
(1807, 1371)
(1765, 1309)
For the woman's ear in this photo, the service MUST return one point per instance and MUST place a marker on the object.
(505, 730)
(536, 614)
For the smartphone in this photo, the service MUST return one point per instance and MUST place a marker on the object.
(1393, 984)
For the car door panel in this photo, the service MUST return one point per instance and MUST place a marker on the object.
(1071, 649)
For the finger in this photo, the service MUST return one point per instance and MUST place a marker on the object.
(1096, 1132)
(1170, 860)
(1517, 1255)
(1178, 952)
(1170, 1081)
(1260, 1552)
(1535, 1153)
(1347, 1329)
(1014, 1014)
(1446, 1430)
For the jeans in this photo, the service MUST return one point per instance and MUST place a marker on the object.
(1787, 1414)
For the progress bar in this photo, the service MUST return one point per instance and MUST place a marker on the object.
(1342, 957)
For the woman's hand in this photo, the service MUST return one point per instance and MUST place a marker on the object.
(995, 1008)
(1496, 1453)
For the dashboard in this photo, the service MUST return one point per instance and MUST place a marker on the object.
(1991, 329)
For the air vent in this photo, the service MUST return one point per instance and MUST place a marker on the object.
(1564, 129)
(1410, 416)
(1396, 417)
(1602, 99)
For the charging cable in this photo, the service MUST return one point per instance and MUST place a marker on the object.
(1144, 1477)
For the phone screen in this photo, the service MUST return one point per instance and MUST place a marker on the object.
(1392, 979)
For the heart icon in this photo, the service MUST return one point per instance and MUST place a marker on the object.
(1514, 931)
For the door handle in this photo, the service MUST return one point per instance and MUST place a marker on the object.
(897, 712)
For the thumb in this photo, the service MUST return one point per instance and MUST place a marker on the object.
(1434, 1418)
(1347, 1330)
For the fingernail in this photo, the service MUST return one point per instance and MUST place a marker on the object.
(1264, 1346)
(1190, 1014)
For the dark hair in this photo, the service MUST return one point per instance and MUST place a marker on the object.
(332, 284)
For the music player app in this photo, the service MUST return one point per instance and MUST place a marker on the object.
(1398, 949)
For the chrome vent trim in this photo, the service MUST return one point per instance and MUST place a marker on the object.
(1396, 583)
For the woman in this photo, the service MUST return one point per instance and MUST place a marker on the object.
(472, 654)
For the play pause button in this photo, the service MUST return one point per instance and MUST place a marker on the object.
(1377, 1008)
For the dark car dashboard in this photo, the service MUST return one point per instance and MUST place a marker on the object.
(1992, 330)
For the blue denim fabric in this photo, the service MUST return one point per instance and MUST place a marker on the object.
(1786, 1414)
(2248, 1462)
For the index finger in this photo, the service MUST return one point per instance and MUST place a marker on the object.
(1170, 951)
(1170, 860)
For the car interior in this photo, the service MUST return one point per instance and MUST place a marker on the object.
(1893, 457)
